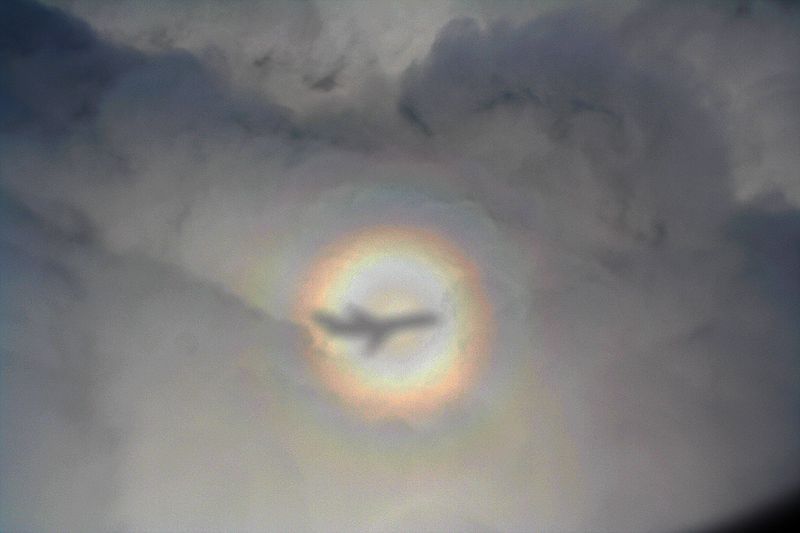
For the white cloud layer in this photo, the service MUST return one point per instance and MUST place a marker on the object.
(624, 175)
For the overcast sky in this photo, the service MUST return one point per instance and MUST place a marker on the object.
(607, 195)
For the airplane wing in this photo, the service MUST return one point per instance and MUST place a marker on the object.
(376, 338)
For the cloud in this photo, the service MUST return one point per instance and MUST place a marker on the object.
(120, 386)
(622, 176)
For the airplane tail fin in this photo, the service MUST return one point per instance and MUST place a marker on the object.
(358, 313)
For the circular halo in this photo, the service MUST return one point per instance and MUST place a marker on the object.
(388, 270)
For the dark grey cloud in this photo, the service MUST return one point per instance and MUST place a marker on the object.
(625, 175)
(657, 157)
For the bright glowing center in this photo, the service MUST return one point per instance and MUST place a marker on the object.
(393, 302)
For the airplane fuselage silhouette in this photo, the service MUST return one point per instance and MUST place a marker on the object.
(376, 330)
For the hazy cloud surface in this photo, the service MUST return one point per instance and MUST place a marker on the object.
(620, 177)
